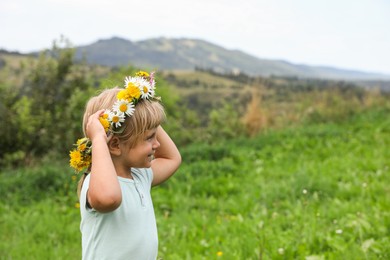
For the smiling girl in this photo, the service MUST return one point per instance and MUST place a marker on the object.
(131, 153)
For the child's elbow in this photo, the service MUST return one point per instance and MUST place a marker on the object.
(178, 160)
(175, 162)
(106, 203)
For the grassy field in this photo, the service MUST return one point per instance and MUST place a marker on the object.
(318, 191)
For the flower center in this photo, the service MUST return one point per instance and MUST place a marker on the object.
(115, 119)
(123, 107)
(145, 90)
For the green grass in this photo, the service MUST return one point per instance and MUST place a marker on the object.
(309, 192)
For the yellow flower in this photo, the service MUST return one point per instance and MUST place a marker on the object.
(82, 140)
(79, 160)
(104, 121)
(82, 147)
(142, 74)
(75, 156)
(77, 205)
(75, 159)
(130, 93)
(134, 91)
(123, 95)
(219, 253)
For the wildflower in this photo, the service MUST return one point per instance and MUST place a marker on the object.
(75, 158)
(281, 251)
(142, 74)
(142, 84)
(123, 106)
(339, 231)
(116, 118)
(219, 253)
(146, 91)
(80, 157)
(81, 140)
(82, 147)
(104, 121)
(304, 191)
(131, 93)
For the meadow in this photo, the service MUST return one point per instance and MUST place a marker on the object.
(273, 168)
(310, 191)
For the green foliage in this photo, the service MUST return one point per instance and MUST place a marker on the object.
(43, 115)
(42, 102)
(32, 110)
(312, 185)
(249, 106)
(317, 191)
(27, 185)
(225, 123)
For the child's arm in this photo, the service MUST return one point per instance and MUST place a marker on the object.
(104, 193)
(167, 158)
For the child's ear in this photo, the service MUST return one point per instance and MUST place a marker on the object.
(113, 146)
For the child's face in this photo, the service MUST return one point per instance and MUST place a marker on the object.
(142, 154)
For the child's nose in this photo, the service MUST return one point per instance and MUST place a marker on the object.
(156, 144)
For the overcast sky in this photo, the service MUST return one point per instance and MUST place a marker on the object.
(349, 34)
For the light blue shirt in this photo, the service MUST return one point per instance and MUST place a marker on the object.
(130, 231)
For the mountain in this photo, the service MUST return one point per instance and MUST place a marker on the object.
(188, 54)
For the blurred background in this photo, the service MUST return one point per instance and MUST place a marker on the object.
(280, 110)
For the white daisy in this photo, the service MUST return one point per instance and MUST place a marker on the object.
(146, 91)
(146, 87)
(116, 119)
(123, 106)
(137, 81)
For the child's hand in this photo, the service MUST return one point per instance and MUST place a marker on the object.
(94, 128)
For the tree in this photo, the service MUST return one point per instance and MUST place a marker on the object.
(38, 115)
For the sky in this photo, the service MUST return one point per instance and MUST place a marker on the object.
(347, 34)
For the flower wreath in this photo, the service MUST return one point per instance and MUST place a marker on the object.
(141, 86)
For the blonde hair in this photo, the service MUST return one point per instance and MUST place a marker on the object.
(148, 114)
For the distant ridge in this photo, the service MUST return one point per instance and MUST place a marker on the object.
(188, 54)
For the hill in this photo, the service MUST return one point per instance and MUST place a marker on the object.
(188, 54)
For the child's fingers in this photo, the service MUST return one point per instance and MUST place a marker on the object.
(93, 125)
(97, 114)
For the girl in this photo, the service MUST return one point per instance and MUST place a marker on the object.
(131, 152)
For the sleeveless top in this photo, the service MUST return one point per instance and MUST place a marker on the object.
(130, 231)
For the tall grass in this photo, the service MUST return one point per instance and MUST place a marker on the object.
(317, 191)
